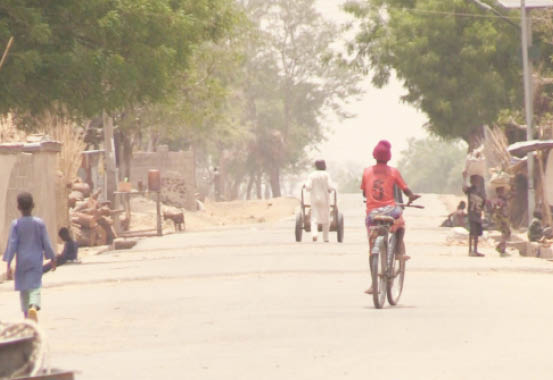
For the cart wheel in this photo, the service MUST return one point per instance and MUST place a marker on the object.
(299, 225)
(340, 227)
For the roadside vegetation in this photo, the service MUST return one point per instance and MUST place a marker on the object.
(434, 165)
(248, 84)
(460, 64)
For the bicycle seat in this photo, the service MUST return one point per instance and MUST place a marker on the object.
(384, 219)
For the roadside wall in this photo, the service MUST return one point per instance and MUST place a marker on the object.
(178, 174)
(32, 168)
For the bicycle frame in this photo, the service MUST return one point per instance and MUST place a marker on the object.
(380, 244)
(386, 261)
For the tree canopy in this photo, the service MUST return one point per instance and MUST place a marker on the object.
(294, 74)
(459, 64)
(85, 56)
(433, 165)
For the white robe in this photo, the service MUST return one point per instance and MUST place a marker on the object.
(320, 185)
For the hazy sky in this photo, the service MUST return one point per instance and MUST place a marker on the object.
(380, 114)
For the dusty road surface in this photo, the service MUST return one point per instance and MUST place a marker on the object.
(250, 303)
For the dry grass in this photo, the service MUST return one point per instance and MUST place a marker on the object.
(495, 149)
(8, 132)
(70, 135)
(58, 129)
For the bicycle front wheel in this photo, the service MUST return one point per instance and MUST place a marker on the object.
(378, 271)
(396, 271)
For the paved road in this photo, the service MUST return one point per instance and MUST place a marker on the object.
(249, 303)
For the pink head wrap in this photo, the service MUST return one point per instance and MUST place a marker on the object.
(383, 151)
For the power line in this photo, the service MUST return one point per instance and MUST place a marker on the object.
(459, 14)
(431, 13)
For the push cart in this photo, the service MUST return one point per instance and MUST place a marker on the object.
(303, 218)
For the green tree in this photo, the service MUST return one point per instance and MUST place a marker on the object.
(294, 75)
(459, 66)
(433, 165)
(85, 56)
(347, 176)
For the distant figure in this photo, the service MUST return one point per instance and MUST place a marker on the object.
(320, 185)
(217, 185)
(476, 195)
(29, 243)
(69, 253)
(499, 208)
(535, 230)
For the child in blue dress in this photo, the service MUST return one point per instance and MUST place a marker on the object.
(29, 243)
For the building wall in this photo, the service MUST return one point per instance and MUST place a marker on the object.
(178, 176)
(32, 169)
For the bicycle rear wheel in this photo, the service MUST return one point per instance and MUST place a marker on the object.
(378, 272)
(396, 275)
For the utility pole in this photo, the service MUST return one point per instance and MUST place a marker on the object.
(110, 184)
(528, 101)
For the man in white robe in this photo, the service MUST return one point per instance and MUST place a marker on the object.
(320, 186)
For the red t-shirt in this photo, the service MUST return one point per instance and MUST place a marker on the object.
(378, 185)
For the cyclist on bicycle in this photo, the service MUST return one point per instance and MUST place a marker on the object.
(378, 185)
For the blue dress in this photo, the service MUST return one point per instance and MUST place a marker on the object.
(29, 242)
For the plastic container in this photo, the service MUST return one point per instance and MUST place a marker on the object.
(154, 180)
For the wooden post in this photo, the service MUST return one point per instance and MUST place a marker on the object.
(111, 174)
(158, 209)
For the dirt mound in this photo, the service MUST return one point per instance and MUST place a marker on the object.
(240, 212)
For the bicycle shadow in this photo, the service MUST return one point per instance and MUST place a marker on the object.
(388, 307)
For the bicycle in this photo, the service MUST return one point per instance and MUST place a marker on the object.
(386, 260)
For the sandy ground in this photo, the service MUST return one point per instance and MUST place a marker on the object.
(249, 303)
(215, 214)
(451, 201)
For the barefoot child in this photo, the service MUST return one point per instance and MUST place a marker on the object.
(476, 200)
(28, 242)
(499, 209)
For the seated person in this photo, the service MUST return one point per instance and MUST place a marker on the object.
(458, 218)
(69, 252)
(535, 230)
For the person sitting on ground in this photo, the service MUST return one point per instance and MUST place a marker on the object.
(69, 252)
(476, 195)
(499, 208)
(535, 230)
(458, 218)
(377, 186)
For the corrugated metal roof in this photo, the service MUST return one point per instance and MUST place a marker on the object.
(523, 147)
(529, 3)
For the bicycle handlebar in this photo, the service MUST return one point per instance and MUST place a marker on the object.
(403, 205)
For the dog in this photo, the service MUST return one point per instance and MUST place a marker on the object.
(177, 216)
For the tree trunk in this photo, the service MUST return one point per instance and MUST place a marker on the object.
(235, 189)
(127, 155)
(475, 138)
(258, 186)
(275, 181)
(250, 187)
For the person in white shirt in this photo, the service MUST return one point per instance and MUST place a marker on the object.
(320, 186)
